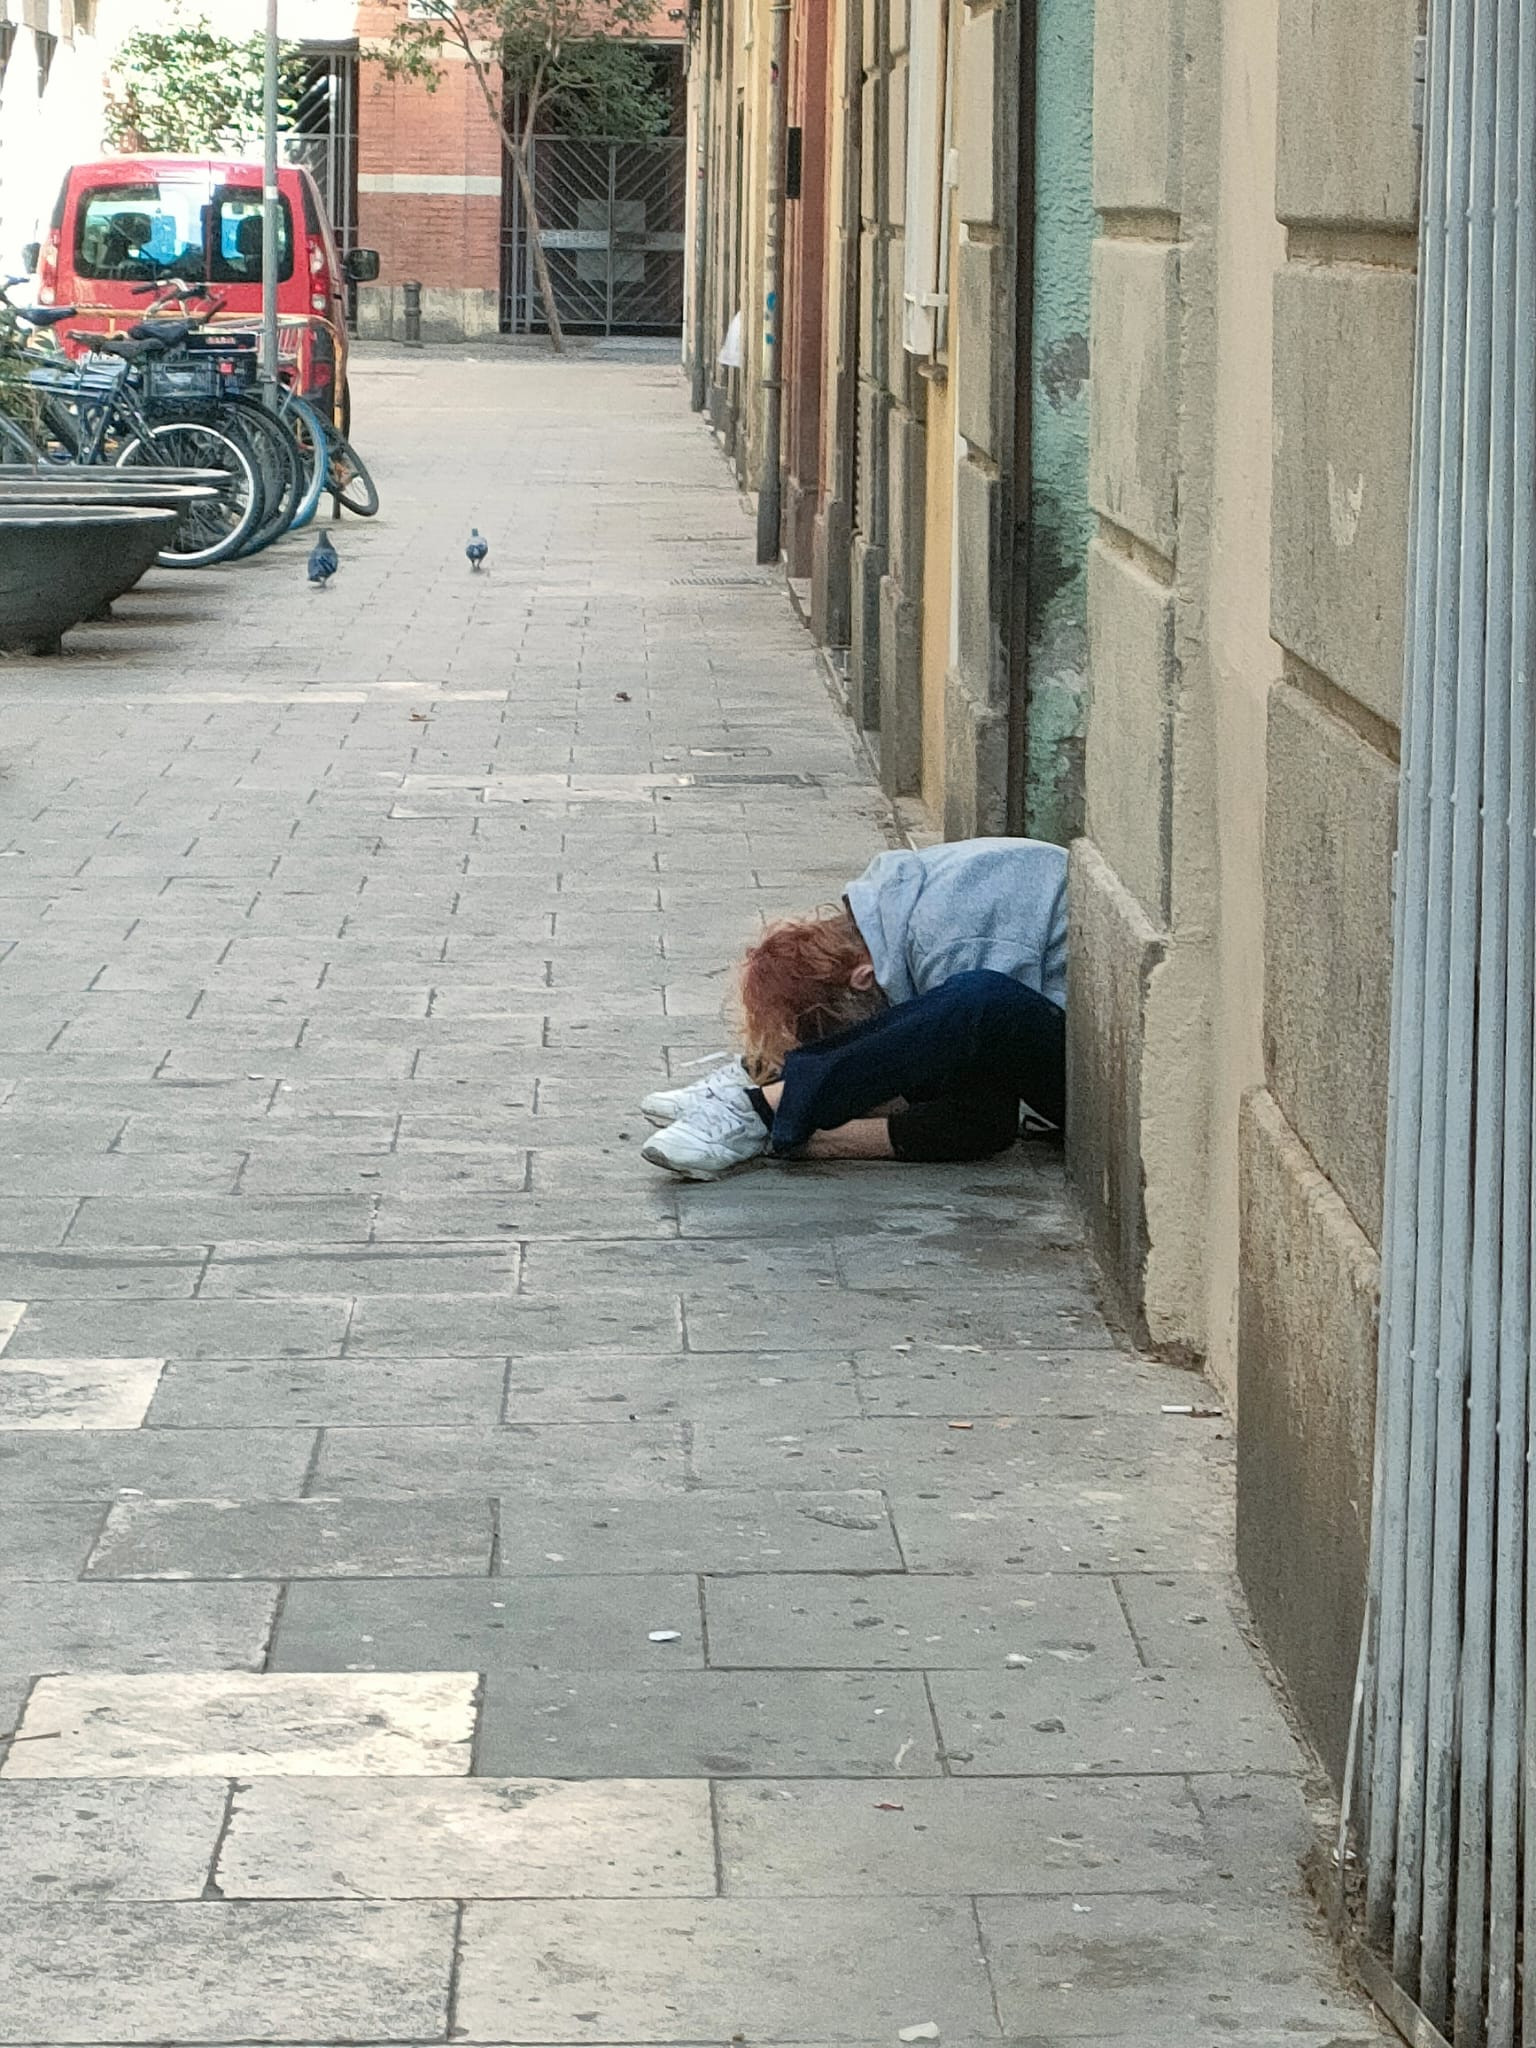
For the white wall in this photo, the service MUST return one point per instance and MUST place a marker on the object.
(41, 137)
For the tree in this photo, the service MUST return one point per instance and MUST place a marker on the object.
(573, 59)
(187, 88)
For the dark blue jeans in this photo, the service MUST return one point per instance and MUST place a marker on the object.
(963, 1056)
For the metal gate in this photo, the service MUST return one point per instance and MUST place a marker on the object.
(1446, 1819)
(322, 136)
(611, 218)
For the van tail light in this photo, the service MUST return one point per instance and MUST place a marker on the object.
(48, 269)
(318, 301)
(316, 260)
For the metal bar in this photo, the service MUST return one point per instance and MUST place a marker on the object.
(1462, 1081)
(1413, 1737)
(1512, 1634)
(1386, 1615)
(1476, 1647)
(1509, 1635)
(269, 206)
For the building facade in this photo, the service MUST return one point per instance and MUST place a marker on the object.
(933, 331)
(1142, 594)
(418, 174)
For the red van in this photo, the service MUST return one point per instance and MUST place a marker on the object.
(129, 221)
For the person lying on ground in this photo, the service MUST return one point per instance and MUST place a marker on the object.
(910, 1022)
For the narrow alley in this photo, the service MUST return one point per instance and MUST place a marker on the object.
(459, 1584)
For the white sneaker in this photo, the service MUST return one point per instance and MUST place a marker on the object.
(722, 1132)
(666, 1105)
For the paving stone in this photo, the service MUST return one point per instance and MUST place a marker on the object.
(181, 1329)
(111, 1841)
(294, 1539)
(282, 1393)
(479, 1625)
(1069, 1516)
(185, 1219)
(1133, 1965)
(964, 1381)
(235, 1273)
(1186, 1620)
(738, 1390)
(627, 1459)
(184, 1464)
(700, 1532)
(482, 1325)
(406, 1217)
(1052, 1717)
(77, 1393)
(936, 1836)
(748, 1320)
(34, 1223)
(684, 1266)
(483, 1838)
(54, 1626)
(895, 1620)
(718, 1724)
(202, 1724)
(696, 1970)
(204, 1972)
(38, 1541)
(119, 1173)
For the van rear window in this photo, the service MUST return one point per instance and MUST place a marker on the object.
(137, 234)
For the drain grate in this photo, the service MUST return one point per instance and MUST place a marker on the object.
(734, 781)
(768, 581)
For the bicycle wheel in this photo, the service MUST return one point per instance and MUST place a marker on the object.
(349, 484)
(304, 423)
(281, 474)
(214, 529)
(15, 444)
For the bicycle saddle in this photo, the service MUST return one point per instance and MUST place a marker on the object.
(167, 332)
(47, 316)
(119, 345)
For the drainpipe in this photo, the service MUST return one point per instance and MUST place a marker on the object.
(770, 493)
(269, 205)
(1019, 489)
(700, 390)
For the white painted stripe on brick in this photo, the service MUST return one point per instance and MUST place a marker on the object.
(420, 183)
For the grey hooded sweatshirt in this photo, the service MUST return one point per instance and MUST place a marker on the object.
(946, 910)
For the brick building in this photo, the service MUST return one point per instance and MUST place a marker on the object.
(417, 174)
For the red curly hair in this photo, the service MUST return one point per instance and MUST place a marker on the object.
(795, 985)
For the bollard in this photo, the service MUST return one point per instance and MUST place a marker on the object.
(412, 315)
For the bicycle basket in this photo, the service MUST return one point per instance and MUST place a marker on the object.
(180, 378)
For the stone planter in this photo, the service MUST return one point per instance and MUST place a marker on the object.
(62, 563)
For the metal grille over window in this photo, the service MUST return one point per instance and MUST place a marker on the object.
(1444, 1820)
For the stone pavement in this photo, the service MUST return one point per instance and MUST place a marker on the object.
(458, 1584)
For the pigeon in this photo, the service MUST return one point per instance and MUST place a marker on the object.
(477, 549)
(323, 560)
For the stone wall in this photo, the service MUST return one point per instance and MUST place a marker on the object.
(1252, 372)
(1312, 1150)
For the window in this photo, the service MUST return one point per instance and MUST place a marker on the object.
(46, 45)
(134, 234)
(925, 285)
(7, 44)
(236, 254)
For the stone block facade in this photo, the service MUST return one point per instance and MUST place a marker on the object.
(1252, 381)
